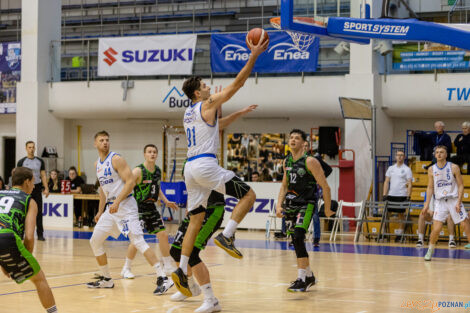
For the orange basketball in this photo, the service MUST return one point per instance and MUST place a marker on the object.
(255, 34)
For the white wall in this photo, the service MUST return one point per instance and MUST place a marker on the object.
(7, 129)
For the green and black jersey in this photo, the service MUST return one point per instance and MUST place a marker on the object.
(301, 185)
(13, 208)
(149, 186)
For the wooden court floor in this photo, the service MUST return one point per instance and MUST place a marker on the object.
(362, 278)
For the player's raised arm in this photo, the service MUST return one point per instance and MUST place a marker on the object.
(30, 225)
(282, 192)
(215, 101)
(229, 119)
(125, 173)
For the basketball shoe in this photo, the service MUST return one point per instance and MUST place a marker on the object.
(101, 282)
(228, 245)
(209, 305)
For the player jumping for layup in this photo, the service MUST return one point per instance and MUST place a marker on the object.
(121, 216)
(301, 175)
(202, 172)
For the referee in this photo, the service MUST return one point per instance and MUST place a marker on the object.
(39, 171)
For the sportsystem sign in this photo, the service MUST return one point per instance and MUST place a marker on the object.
(140, 56)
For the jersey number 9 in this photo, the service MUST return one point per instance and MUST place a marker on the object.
(6, 204)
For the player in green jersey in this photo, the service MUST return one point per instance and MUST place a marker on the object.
(302, 173)
(17, 221)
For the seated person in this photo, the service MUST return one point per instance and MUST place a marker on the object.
(2, 184)
(53, 183)
(75, 188)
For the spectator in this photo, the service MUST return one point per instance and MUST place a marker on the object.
(429, 141)
(36, 164)
(245, 144)
(54, 185)
(76, 183)
(265, 176)
(255, 177)
(397, 186)
(2, 184)
(462, 142)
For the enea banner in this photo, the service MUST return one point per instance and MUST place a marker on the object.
(151, 55)
(229, 54)
(10, 73)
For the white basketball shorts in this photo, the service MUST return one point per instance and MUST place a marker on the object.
(444, 207)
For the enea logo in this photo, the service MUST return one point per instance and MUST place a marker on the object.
(458, 94)
(282, 51)
(177, 99)
(55, 209)
(371, 28)
(110, 59)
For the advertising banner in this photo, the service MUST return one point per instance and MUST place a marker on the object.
(150, 55)
(57, 211)
(10, 71)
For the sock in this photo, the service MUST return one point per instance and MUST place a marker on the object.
(191, 281)
(105, 271)
(184, 263)
(52, 309)
(167, 261)
(230, 228)
(207, 291)
(451, 237)
(421, 237)
(128, 263)
(302, 273)
(159, 269)
(431, 247)
(309, 272)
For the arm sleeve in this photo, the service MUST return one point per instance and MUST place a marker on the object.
(387, 174)
(409, 175)
(20, 162)
(43, 167)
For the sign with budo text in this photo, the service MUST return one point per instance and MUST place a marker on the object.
(146, 55)
(57, 211)
(229, 53)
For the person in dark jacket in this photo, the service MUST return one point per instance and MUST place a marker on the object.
(462, 142)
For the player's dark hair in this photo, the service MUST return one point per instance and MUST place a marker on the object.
(300, 132)
(73, 168)
(190, 85)
(21, 175)
(28, 142)
(255, 173)
(101, 133)
(150, 146)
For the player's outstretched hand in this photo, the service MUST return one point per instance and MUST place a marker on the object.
(458, 207)
(256, 50)
(249, 108)
(172, 205)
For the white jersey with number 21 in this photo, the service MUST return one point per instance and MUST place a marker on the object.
(201, 136)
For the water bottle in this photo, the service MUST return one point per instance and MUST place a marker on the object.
(267, 228)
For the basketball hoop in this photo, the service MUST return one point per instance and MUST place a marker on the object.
(301, 40)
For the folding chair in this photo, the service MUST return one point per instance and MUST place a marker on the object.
(371, 214)
(271, 220)
(384, 229)
(339, 219)
(320, 203)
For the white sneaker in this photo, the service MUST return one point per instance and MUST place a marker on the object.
(163, 284)
(208, 306)
(178, 297)
(101, 282)
(126, 273)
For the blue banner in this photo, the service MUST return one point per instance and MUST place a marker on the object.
(229, 54)
(430, 66)
(10, 71)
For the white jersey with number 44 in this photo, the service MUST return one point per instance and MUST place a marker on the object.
(201, 136)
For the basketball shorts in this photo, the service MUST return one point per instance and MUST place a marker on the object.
(298, 216)
(17, 261)
(125, 221)
(150, 218)
(201, 176)
(444, 207)
(212, 222)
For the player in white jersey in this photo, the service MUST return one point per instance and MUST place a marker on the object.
(446, 184)
(121, 215)
(202, 172)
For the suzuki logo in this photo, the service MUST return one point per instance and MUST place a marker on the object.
(110, 59)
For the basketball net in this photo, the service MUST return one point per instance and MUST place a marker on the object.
(301, 40)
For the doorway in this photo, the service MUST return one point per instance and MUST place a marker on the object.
(9, 148)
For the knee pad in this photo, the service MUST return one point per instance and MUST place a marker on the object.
(175, 254)
(194, 258)
(139, 242)
(299, 245)
(97, 242)
(236, 188)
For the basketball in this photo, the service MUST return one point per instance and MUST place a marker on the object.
(255, 34)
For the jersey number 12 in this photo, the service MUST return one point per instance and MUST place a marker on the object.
(188, 135)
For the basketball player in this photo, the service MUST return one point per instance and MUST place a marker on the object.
(212, 221)
(202, 172)
(301, 175)
(121, 215)
(17, 220)
(146, 192)
(445, 183)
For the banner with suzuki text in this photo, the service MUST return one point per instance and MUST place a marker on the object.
(151, 55)
(229, 54)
